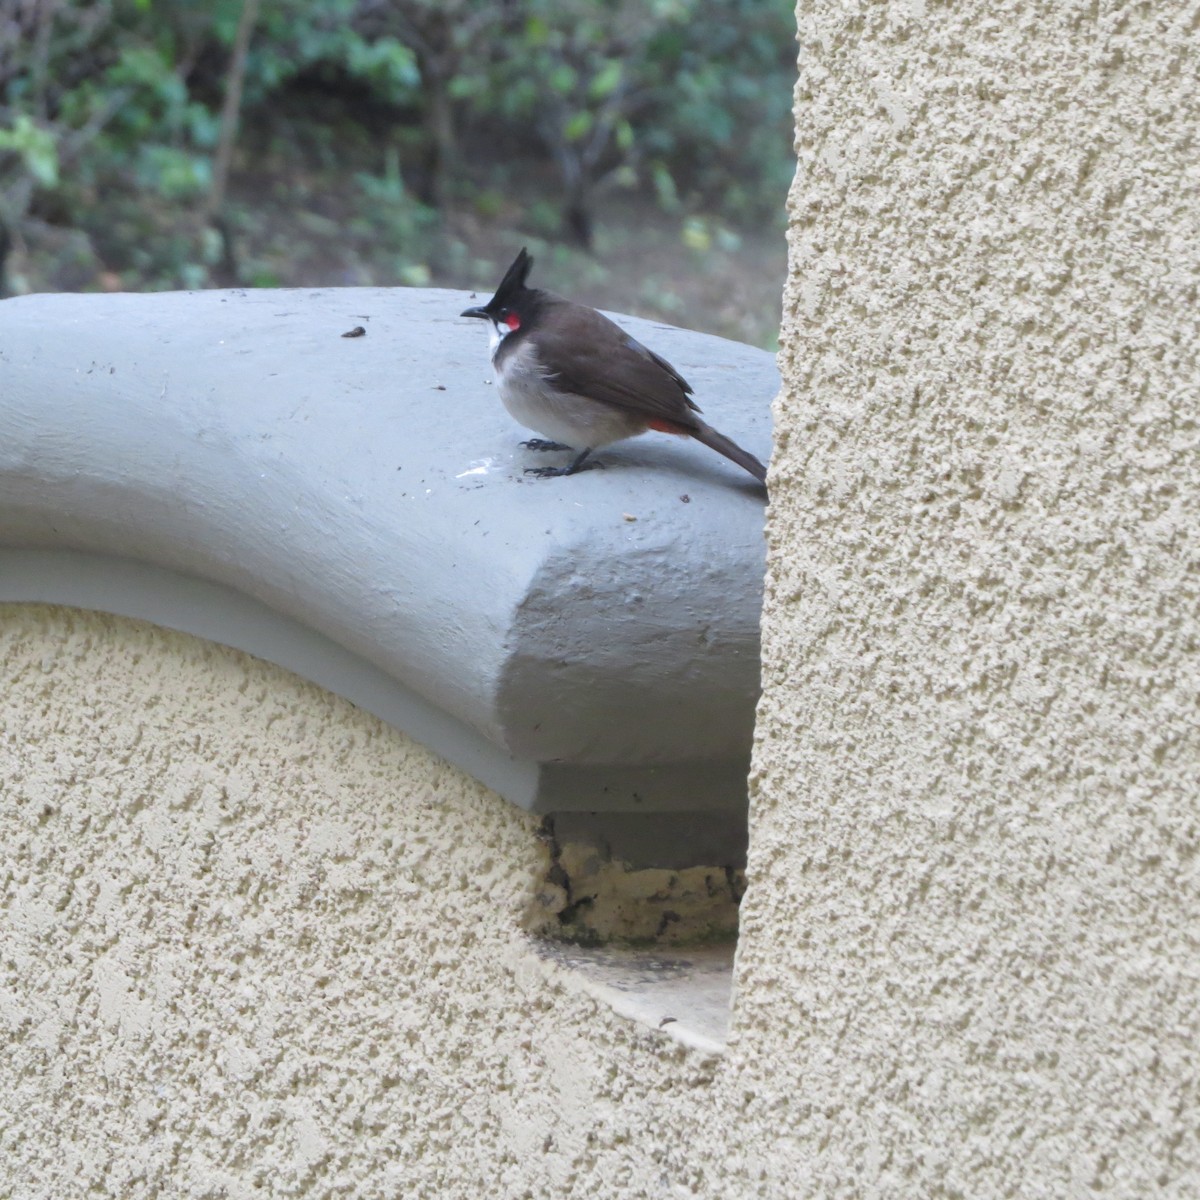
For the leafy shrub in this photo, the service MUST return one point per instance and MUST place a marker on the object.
(111, 120)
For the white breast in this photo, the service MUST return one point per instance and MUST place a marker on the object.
(566, 417)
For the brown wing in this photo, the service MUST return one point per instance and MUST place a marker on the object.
(584, 352)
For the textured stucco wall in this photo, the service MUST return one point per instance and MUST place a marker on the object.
(255, 943)
(978, 808)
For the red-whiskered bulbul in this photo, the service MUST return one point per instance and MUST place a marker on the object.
(567, 371)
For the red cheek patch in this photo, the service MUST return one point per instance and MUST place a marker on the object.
(512, 321)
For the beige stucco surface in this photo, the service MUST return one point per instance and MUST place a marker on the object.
(978, 812)
(255, 943)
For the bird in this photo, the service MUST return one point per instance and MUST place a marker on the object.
(567, 372)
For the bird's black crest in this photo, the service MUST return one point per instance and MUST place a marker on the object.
(514, 277)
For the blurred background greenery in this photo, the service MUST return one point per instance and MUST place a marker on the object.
(642, 150)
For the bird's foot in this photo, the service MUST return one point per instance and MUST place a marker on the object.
(555, 472)
(543, 444)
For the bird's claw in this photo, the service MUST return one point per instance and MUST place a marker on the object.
(555, 472)
(544, 444)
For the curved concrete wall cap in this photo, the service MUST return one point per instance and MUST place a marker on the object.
(367, 495)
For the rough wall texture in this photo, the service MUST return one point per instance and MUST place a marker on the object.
(978, 814)
(254, 943)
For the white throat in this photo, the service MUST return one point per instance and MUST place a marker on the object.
(496, 334)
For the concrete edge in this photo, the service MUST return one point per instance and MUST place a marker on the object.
(624, 799)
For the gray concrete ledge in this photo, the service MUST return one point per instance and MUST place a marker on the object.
(227, 464)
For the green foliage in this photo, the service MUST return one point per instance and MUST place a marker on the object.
(110, 121)
(728, 75)
(689, 95)
(35, 148)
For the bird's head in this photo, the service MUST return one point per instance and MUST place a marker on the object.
(513, 304)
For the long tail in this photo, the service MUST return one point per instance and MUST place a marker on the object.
(732, 451)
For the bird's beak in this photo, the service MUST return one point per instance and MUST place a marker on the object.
(474, 312)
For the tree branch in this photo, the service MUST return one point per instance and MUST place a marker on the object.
(231, 110)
